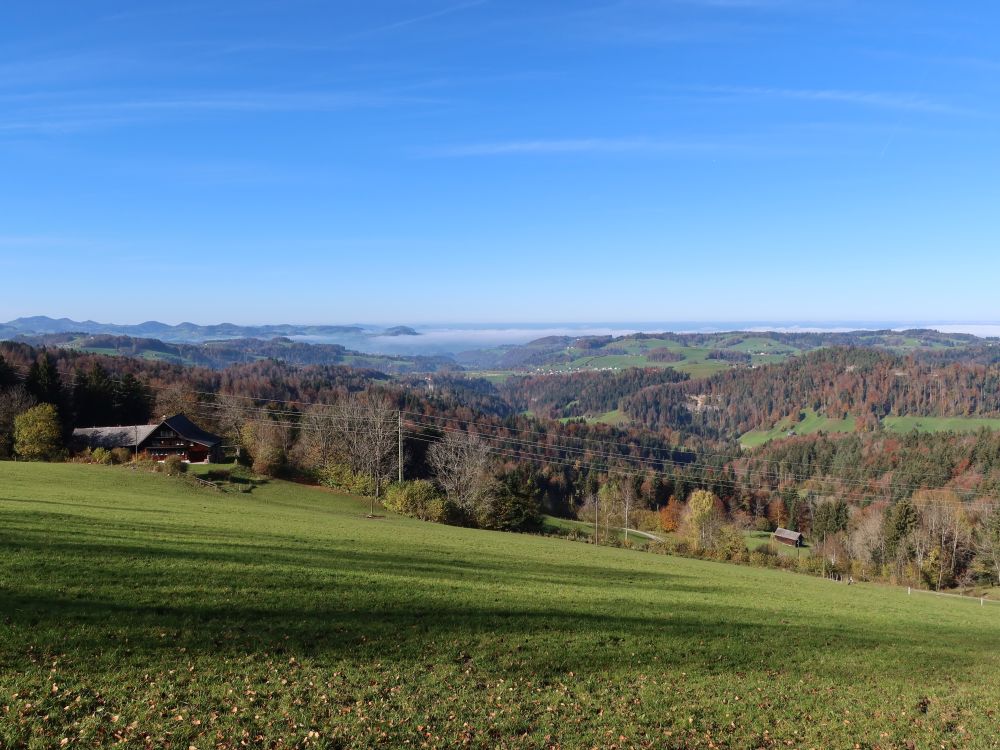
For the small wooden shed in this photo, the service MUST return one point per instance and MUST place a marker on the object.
(791, 538)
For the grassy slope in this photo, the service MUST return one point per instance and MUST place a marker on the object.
(810, 424)
(813, 423)
(135, 606)
(940, 424)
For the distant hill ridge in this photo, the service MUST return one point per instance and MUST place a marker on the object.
(189, 332)
(221, 353)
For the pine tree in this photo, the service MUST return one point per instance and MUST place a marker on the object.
(44, 382)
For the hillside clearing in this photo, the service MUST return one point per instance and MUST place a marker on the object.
(813, 423)
(139, 609)
(810, 424)
(940, 424)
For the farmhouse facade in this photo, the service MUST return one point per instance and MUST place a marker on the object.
(172, 436)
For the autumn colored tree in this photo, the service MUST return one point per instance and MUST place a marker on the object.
(702, 519)
(777, 512)
(268, 442)
(671, 514)
(38, 433)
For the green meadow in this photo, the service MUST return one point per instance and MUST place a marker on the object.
(810, 423)
(940, 424)
(813, 423)
(142, 611)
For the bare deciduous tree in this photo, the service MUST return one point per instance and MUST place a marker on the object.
(269, 442)
(319, 443)
(367, 429)
(988, 539)
(461, 464)
(232, 417)
(866, 541)
(175, 399)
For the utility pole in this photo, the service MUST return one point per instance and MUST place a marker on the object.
(399, 423)
(597, 520)
(823, 551)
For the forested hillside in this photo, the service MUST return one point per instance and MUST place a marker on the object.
(584, 393)
(528, 452)
(861, 384)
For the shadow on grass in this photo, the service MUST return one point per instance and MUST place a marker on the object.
(90, 591)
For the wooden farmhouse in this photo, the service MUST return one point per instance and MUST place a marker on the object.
(172, 436)
(791, 538)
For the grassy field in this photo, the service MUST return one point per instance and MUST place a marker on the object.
(811, 423)
(694, 360)
(940, 424)
(552, 524)
(138, 610)
(615, 417)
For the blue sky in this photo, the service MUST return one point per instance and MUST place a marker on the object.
(306, 161)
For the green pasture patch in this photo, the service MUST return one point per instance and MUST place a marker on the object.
(139, 610)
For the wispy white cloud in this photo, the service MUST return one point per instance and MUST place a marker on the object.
(262, 101)
(878, 99)
(404, 22)
(558, 146)
(73, 112)
(69, 68)
(339, 43)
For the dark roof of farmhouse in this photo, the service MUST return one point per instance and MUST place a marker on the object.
(114, 437)
(190, 431)
(131, 436)
(787, 534)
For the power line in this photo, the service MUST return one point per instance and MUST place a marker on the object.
(725, 456)
(647, 463)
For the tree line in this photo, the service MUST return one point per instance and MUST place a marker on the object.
(863, 384)
(471, 457)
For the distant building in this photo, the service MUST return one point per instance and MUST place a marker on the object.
(172, 436)
(791, 538)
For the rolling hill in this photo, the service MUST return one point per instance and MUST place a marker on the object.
(141, 610)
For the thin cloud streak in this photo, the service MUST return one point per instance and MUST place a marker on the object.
(427, 16)
(64, 114)
(404, 22)
(544, 147)
(881, 100)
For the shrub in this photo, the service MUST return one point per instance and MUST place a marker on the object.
(761, 558)
(340, 477)
(81, 457)
(419, 499)
(174, 465)
(440, 510)
(100, 456)
(761, 523)
(645, 520)
(122, 455)
(731, 543)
